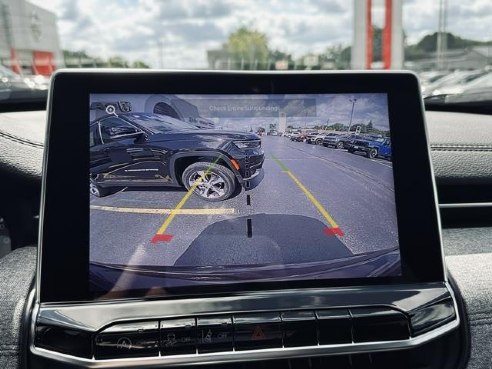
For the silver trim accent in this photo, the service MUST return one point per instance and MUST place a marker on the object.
(433, 179)
(254, 175)
(27, 325)
(132, 327)
(466, 205)
(250, 355)
(195, 71)
(93, 316)
(43, 184)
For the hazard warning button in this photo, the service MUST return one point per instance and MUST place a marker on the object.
(257, 331)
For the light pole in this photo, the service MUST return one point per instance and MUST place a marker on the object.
(353, 101)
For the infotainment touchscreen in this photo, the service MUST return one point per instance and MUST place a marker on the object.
(204, 190)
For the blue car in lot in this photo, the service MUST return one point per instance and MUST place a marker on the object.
(372, 148)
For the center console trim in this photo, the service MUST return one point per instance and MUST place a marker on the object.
(92, 317)
(252, 355)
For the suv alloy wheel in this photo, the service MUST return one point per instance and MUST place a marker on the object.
(96, 190)
(216, 182)
(372, 153)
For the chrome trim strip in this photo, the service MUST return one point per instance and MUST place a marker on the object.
(27, 326)
(93, 316)
(433, 179)
(132, 327)
(255, 174)
(251, 355)
(466, 205)
(43, 185)
(196, 71)
(455, 303)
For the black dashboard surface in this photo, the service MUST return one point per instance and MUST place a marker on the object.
(462, 160)
(459, 155)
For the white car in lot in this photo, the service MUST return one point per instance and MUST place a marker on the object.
(315, 138)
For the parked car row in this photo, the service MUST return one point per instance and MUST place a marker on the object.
(372, 146)
(456, 82)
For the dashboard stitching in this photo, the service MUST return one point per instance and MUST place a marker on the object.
(484, 148)
(482, 314)
(459, 145)
(21, 140)
(480, 323)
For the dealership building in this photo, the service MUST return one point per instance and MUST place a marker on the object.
(29, 41)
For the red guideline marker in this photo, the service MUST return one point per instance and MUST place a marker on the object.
(333, 231)
(161, 238)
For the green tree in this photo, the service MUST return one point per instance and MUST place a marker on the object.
(429, 42)
(118, 62)
(77, 59)
(377, 44)
(339, 55)
(140, 64)
(337, 127)
(248, 46)
(276, 55)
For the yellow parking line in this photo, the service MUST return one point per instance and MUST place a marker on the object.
(308, 194)
(313, 199)
(215, 211)
(181, 203)
(160, 235)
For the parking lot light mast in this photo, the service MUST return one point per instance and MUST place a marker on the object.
(353, 101)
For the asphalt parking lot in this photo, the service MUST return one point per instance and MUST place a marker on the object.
(313, 204)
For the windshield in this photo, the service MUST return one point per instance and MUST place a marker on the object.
(447, 43)
(485, 81)
(6, 73)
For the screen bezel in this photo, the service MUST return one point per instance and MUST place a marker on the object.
(64, 240)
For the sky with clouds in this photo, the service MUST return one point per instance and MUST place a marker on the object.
(186, 29)
(245, 111)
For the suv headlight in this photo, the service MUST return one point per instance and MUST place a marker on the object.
(248, 144)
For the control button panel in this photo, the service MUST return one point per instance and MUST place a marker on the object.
(214, 334)
(257, 331)
(128, 340)
(300, 328)
(335, 326)
(178, 336)
(236, 332)
(379, 324)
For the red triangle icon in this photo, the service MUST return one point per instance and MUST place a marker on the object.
(258, 334)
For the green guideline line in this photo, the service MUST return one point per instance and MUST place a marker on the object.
(280, 164)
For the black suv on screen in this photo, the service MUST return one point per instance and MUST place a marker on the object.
(143, 149)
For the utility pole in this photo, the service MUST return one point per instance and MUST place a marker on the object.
(441, 34)
(353, 101)
(444, 43)
(161, 54)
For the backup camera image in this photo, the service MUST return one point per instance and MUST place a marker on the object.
(200, 190)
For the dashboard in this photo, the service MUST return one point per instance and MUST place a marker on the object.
(309, 323)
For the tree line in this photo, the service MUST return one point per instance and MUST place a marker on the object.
(249, 49)
(80, 59)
